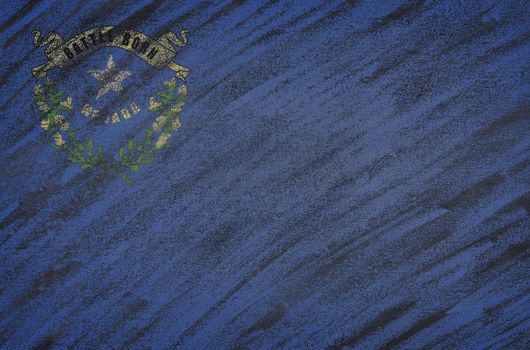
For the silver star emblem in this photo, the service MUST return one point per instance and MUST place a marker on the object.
(110, 77)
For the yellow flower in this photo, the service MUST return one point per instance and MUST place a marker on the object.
(183, 90)
(125, 113)
(135, 108)
(159, 123)
(67, 103)
(176, 124)
(58, 139)
(172, 81)
(38, 89)
(45, 124)
(176, 108)
(63, 124)
(115, 118)
(43, 107)
(86, 110)
(162, 139)
(89, 111)
(153, 105)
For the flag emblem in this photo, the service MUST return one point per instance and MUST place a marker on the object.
(58, 108)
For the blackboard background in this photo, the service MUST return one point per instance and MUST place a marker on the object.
(349, 174)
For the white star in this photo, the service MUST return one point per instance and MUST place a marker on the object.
(110, 77)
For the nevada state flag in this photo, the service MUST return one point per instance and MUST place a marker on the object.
(264, 174)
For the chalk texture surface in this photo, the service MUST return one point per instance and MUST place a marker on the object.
(348, 175)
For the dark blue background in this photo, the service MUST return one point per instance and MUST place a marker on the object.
(348, 174)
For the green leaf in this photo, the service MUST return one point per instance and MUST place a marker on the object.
(90, 146)
(120, 153)
(130, 145)
(134, 167)
(148, 160)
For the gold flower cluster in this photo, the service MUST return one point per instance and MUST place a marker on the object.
(50, 105)
(171, 105)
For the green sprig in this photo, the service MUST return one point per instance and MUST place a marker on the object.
(88, 155)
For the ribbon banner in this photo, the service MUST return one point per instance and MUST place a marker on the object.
(158, 53)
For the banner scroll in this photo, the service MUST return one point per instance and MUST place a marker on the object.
(158, 53)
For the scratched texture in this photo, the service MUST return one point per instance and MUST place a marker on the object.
(349, 174)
